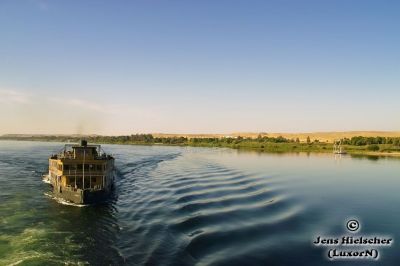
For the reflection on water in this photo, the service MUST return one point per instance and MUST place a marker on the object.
(187, 206)
(367, 157)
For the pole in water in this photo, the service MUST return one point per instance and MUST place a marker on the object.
(83, 168)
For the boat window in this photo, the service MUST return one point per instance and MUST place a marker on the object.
(80, 167)
(66, 167)
(94, 179)
(99, 168)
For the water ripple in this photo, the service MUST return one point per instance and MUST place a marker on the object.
(185, 206)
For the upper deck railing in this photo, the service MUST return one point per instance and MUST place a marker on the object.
(69, 151)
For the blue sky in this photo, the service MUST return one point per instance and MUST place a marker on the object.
(121, 67)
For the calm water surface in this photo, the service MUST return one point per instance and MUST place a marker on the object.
(194, 206)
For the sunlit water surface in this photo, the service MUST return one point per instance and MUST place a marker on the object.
(195, 206)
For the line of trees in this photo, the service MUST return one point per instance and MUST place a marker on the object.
(150, 139)
(362, 141)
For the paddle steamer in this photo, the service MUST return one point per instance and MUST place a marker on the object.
(81, 173)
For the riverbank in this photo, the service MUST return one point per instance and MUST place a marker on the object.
(312, 147)
(362, 145)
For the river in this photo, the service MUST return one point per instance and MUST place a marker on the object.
(198, 206)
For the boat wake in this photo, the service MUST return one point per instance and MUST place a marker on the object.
(64, 202)
(46, 179)
(201, 211)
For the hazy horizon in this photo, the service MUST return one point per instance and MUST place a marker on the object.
(97, 67)
(210, 133)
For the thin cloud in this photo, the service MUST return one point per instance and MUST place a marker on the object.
(105, 108)
(82, 104)
(13, 96)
